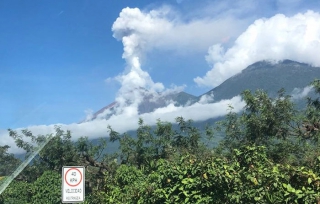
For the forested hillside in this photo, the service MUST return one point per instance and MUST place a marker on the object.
(270, 153)
(268, 76)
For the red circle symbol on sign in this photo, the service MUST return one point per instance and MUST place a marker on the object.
(65, 177)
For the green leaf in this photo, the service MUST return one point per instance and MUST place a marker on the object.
(309, 180)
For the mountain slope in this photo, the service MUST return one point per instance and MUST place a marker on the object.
(150, 104)
(267, 76)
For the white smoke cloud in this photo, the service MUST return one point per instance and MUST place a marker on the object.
(277, 38)
(135, 83)
(162, 29)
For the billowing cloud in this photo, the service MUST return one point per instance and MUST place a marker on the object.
(164, 29)
(135, 83)
(277, 38)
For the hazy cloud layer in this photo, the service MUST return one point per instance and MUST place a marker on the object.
(277, 38)
(301, 93)
(125, 122)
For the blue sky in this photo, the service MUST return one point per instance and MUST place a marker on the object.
(60, 59)
(56, 55)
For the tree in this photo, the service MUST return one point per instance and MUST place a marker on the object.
(272, 122)
(62, 151)
(159, 143)
(312, 115)
(310, 128)
(58, 152)
(8, 163)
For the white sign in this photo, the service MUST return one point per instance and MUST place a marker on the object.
(73, 184)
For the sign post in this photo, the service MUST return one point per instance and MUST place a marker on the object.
(73, 184)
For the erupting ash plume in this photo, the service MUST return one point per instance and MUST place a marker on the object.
(136, 84)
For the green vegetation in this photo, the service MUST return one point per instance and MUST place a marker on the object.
(8, 161)
(269, 154)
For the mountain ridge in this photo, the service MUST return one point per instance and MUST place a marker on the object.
(266, 75)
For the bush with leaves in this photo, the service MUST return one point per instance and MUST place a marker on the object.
(17, 192)
(248, 177)
(47, 188)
